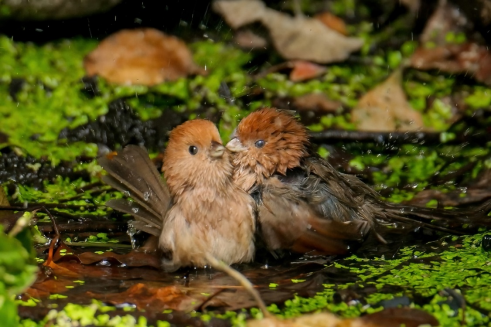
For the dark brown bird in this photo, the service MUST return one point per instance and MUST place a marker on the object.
(305, 205)
(200, 212)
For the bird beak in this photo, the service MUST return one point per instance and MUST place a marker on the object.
(235, 146)
(216, 150)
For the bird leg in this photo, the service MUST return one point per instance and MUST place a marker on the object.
(242, 280)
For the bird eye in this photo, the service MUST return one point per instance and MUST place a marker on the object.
(259, 144)
(193, 150)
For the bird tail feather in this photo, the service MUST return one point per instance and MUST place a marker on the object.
(457, 221)
(132, 172)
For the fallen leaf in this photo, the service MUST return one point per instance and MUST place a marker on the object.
(444, 45)
(247, 39)
(447, 18)
(304, 70)
(240, 13)
(333, 22)
(300, 70)
(61, 271)
(386, 318)
(45, 286)
(396, 317)
(317, 102)
(322, 319)
(150, 298)
(468, 58)
(142, 56)
(293, 37)
(386, 108)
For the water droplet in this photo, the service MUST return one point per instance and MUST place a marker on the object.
(131, 232)
(146, 195)
(135, 209)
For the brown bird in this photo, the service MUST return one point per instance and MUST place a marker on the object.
(305, 205)
(200, 212)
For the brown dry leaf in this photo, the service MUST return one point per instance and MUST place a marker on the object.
(304, 70)
(446, 18)
(385, 108)
(249, 40)
(60, 271)
(317, 102)
(300, 70)
(397, 317)
(308, 320)
(468, 58)
(447, 55)
(45, 286)
(386, 318)
(150, 298)
(333, 22)
(293, 37)
(142, 56)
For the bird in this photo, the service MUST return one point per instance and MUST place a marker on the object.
(199, 214)
(307, 206)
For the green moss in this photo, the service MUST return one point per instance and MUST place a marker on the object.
(50, 94)
(479, 98)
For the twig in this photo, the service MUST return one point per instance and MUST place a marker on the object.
(55, 226)
(13, 208)
(460, 299)
(101, 226)
(242, 280)
(96, 244)
(209, 298)
(63, 206)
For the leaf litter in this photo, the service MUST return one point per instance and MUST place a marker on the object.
(142, 57)
(293, 37)
(386, 108)
(445, 46)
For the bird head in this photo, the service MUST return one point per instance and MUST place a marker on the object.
(268, 141)
(195, 158)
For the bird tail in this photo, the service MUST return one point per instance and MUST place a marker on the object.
(455, 221)
(131, 172)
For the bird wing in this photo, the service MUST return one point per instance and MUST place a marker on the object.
(287, 221)
(132, 172)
